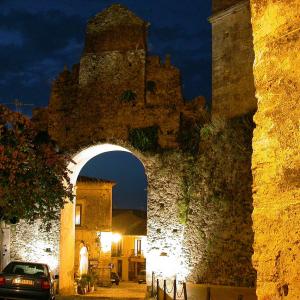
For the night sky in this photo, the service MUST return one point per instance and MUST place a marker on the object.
(39, 37)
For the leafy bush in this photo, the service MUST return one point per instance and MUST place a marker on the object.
(34, 181)
(128, 96)
(144, 139)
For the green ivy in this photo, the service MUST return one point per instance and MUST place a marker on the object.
(128, 96)
(188, 188)
(144, 139)
(206, 131)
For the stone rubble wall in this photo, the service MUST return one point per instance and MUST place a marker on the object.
(78, 114)
(31, 243)
(164, 231)
(218, 232)
(166, 78)
(276, 145)
(199, 209)
(115, 72)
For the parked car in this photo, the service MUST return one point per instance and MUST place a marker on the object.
(26, 280)
(114, 278)
(141, 277)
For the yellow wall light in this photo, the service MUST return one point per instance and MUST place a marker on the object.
(116, 237)
(105, 241)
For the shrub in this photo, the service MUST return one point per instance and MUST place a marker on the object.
(144, 139)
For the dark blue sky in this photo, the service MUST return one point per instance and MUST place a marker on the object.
(39, 37)
(129, 174)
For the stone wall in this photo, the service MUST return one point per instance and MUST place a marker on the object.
(199, 208)
(162, 82)
(233, 91)
(115, 71)
(96, 111)
(219, 5)
(164, 230)
(218, 233)
(29, 242)
(276, 158)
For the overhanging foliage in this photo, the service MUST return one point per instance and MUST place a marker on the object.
(34, 181)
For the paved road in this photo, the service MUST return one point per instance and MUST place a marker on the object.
(125, 291)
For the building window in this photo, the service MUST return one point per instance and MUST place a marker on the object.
(117, 249)
(138, 247)
(78, 214)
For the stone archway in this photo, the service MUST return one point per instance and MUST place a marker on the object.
(67, 230)
(165, 254)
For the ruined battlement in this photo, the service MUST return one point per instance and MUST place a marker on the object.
(163, 82)
(116, 28)
(118, 91)
(153, 60)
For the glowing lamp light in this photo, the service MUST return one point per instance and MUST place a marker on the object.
(116, 237)
(105, 241)
(167, 265)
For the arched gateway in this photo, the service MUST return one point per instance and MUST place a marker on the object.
(166, 253)
(67, 229)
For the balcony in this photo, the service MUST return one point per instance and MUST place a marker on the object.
(135, 253)
(116, 253)
(127, 253)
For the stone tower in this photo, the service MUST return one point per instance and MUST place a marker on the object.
(233, 92)
(114, 55)
(118, 91)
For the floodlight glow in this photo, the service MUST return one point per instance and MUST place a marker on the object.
(105, 241)
(116, 237)
(38, 253)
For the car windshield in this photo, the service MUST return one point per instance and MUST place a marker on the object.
(26, 269)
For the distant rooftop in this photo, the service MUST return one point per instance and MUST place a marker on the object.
(93, 179)
(129, 221)
(114, 15)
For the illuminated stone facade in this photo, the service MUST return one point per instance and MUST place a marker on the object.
(276, 144)
(128, 253)
(94, 200)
